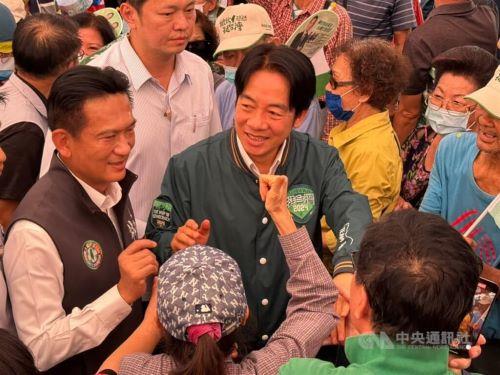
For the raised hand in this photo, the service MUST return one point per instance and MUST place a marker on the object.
(191, 234)
(273, 192)
(136, 264)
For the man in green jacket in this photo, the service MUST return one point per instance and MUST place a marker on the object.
(210, 192)
(414, 283)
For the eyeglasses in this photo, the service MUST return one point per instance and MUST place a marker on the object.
(335, 84)
(456, 104)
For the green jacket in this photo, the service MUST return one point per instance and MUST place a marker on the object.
(210, 180)
(369, 355)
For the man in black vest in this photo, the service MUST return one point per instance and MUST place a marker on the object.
(74, 290)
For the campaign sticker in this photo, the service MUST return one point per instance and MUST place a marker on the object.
(162, 214)
(301, 203)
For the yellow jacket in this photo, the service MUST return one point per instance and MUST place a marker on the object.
(371, 156)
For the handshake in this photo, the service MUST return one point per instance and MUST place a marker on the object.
(273, 192)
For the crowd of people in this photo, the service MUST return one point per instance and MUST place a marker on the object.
(181, 191)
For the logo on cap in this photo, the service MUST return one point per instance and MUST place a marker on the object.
(203, 308)
(92, 254)
(233, 23)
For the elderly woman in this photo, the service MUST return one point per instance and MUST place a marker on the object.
(367, 76)
(458, 72)
(465, 180)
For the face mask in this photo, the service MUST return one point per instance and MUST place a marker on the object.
(230, 73)
(334, 105)
(446, 122)
(6, 68)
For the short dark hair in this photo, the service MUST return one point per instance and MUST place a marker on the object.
(45, 44)
(70, 91)
(99, 23)
(137, 4)
(471, 62)
(419, 273)
(377, 69)
(293, 65)
(15, 358)
(208, 30)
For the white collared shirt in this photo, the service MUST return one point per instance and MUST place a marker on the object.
(105, 202)
(168, 121)
(251, 165)
(35, 277)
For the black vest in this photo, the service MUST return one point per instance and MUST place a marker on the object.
(88, 246)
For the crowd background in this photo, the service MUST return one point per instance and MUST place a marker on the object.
(139, 137)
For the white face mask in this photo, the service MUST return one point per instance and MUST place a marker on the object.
(444, 122)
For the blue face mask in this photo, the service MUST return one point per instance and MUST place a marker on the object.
(230, 73)
(5, 74)
(6, 68)
(334, 105)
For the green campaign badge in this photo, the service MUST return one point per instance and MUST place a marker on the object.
(162, 214)
(301, 203)
(92, 254)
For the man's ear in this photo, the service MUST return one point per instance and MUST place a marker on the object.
(62, 141)
(362, 310)
(210, 5)
(130, 15)
(299, 119)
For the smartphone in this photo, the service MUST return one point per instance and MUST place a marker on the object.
(472, 324)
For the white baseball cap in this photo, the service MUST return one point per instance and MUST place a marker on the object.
(16, 7)
(241, 26)
(488, 97)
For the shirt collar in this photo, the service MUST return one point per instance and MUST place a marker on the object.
(251, 165)
(34, 96)
(339, 136)
(139, 74)
(459, 8)
(103, 201)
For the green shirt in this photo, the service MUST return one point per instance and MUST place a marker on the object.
(210, 181)
(369, 354)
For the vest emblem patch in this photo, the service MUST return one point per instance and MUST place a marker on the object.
(161, 214)
(301, 203)
(92, 254)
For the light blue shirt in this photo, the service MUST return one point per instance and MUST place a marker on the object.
(454, 194)
(225, 96)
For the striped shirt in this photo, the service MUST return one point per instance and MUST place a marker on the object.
(168, 121)
(380, 18)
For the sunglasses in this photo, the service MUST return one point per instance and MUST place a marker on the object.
(335, 84)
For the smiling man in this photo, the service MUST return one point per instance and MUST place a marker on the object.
(210, 193)
(74, 290)
(172, 90)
